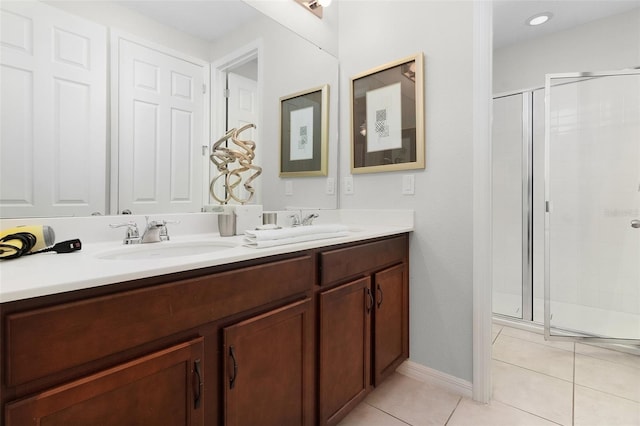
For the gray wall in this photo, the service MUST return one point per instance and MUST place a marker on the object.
(441, 246)
(603, 45)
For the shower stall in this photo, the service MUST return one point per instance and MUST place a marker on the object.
(566, 205)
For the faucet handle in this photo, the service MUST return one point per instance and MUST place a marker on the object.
(164, 233)
(295, 219)
(130, 225)
(132, 235)
(308, 220)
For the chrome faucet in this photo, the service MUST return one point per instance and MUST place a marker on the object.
(154, 231)
(298, 220)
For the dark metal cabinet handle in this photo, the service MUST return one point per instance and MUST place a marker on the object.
(380, 298)
(197, 391)
(232, 380)
(371, 301)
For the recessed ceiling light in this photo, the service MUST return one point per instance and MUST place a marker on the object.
(539, 19)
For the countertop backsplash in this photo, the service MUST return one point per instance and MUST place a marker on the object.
(95, 229)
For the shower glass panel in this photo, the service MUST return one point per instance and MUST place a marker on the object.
(510, 156)
(592, 269)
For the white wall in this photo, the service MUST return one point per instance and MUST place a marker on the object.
(607, 44)
(323, 32)
(111, 14)
(442, 244)
(289, 65)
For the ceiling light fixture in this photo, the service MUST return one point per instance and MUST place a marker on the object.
(314, 6)
(539, 19)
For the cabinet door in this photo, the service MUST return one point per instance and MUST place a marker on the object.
(391, 330)
(162, 388)
(268, 366)
(344, 365)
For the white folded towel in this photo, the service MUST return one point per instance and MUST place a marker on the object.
(297, 231)
(272, 238)
(292, 240)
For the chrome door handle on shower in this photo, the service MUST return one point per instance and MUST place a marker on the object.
(635, 223)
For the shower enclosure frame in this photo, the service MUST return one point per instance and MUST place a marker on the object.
(568, 335)
(529, 205)
(527, 202)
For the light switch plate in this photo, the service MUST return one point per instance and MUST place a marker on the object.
(331, 186)
(288, 188)
(348, 185)
(408, 185)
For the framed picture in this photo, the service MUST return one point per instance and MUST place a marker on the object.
(387, 117)
(304, 133)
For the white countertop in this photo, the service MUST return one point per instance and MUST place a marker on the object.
(50, 273)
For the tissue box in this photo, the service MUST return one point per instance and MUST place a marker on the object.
(248, 217)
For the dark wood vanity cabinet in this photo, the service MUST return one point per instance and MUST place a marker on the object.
(164, 387)
(364, 331)
(268, 368)
(295, 339)
(391, 321)
(345, 346)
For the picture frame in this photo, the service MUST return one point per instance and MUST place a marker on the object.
(387, 117)
(304, 133)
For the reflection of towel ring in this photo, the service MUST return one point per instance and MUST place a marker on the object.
(223, 156)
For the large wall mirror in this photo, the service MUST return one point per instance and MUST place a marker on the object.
(86, 132)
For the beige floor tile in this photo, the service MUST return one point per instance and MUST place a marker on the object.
(496, 329)
(539, 394)
(534, 356)
(366, 415)
(594, 408)
(536, 338)
(609, 355)
(609, 377)
(413, 401)
(471, 413)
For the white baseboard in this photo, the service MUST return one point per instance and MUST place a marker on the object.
(426, 374)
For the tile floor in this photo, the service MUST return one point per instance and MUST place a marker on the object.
(534, 383)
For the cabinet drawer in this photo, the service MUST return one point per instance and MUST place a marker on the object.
(344, 263)
(48, 340)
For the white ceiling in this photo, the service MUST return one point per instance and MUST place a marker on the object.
(210, 19)
(205, 19)
(509, 16)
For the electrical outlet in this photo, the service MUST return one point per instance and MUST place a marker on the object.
(408, 184)
(348, 185)
(331, 186)
(288, 188)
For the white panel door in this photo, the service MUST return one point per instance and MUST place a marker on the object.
(54, 111)
(161, 129)
(242, 109)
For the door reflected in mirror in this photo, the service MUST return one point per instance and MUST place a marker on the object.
(63, 143)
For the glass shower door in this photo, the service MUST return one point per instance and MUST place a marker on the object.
(592, 224)
(511, 219)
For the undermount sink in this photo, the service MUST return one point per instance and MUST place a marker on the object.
(164, 250)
